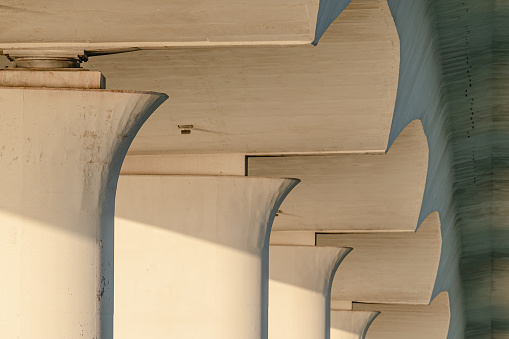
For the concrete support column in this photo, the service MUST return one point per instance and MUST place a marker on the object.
(191, 255)
(299, 290)
(60, 155)
(351, 324)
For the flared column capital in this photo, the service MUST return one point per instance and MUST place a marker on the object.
(193, 250)
(60, 156)
(351, 324)
(309, 267)
(299, 290)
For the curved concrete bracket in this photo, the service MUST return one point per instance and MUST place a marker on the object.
(395, 267)
(60, 156)
(403, 321)
(380, 192)
(190, 253)
(299, 290)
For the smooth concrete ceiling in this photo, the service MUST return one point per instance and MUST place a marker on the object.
(352, 192)
(387, 267)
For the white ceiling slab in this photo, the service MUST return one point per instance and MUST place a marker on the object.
(336, 97)
(352, 192)
(393, 267)
(409, 321)
(97, 24)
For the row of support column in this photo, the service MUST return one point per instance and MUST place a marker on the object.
(201, 268)
(192, 254)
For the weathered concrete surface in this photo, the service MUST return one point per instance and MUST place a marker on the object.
(60, 156)
(299, 290)
(409, 321)
(353, 192)
(191, 255)
(351, 324)
(500, 162)
(453, 67)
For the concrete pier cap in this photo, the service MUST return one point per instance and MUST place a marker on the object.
(63, 144)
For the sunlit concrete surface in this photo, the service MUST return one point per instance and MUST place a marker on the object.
(409, 321)
(337, 97)
(246, 79)
(388, 267)
(60, 155)
(340, 95)
(353, 192)
(97, 25)
(299, 290)
(191, 255)
(350, 324)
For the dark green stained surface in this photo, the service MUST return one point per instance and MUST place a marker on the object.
(500, 163)
(453, 77)
(465, 35)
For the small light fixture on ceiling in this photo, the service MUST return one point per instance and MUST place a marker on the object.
(185, 129)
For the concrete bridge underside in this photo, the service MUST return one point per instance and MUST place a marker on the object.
(391, 113)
